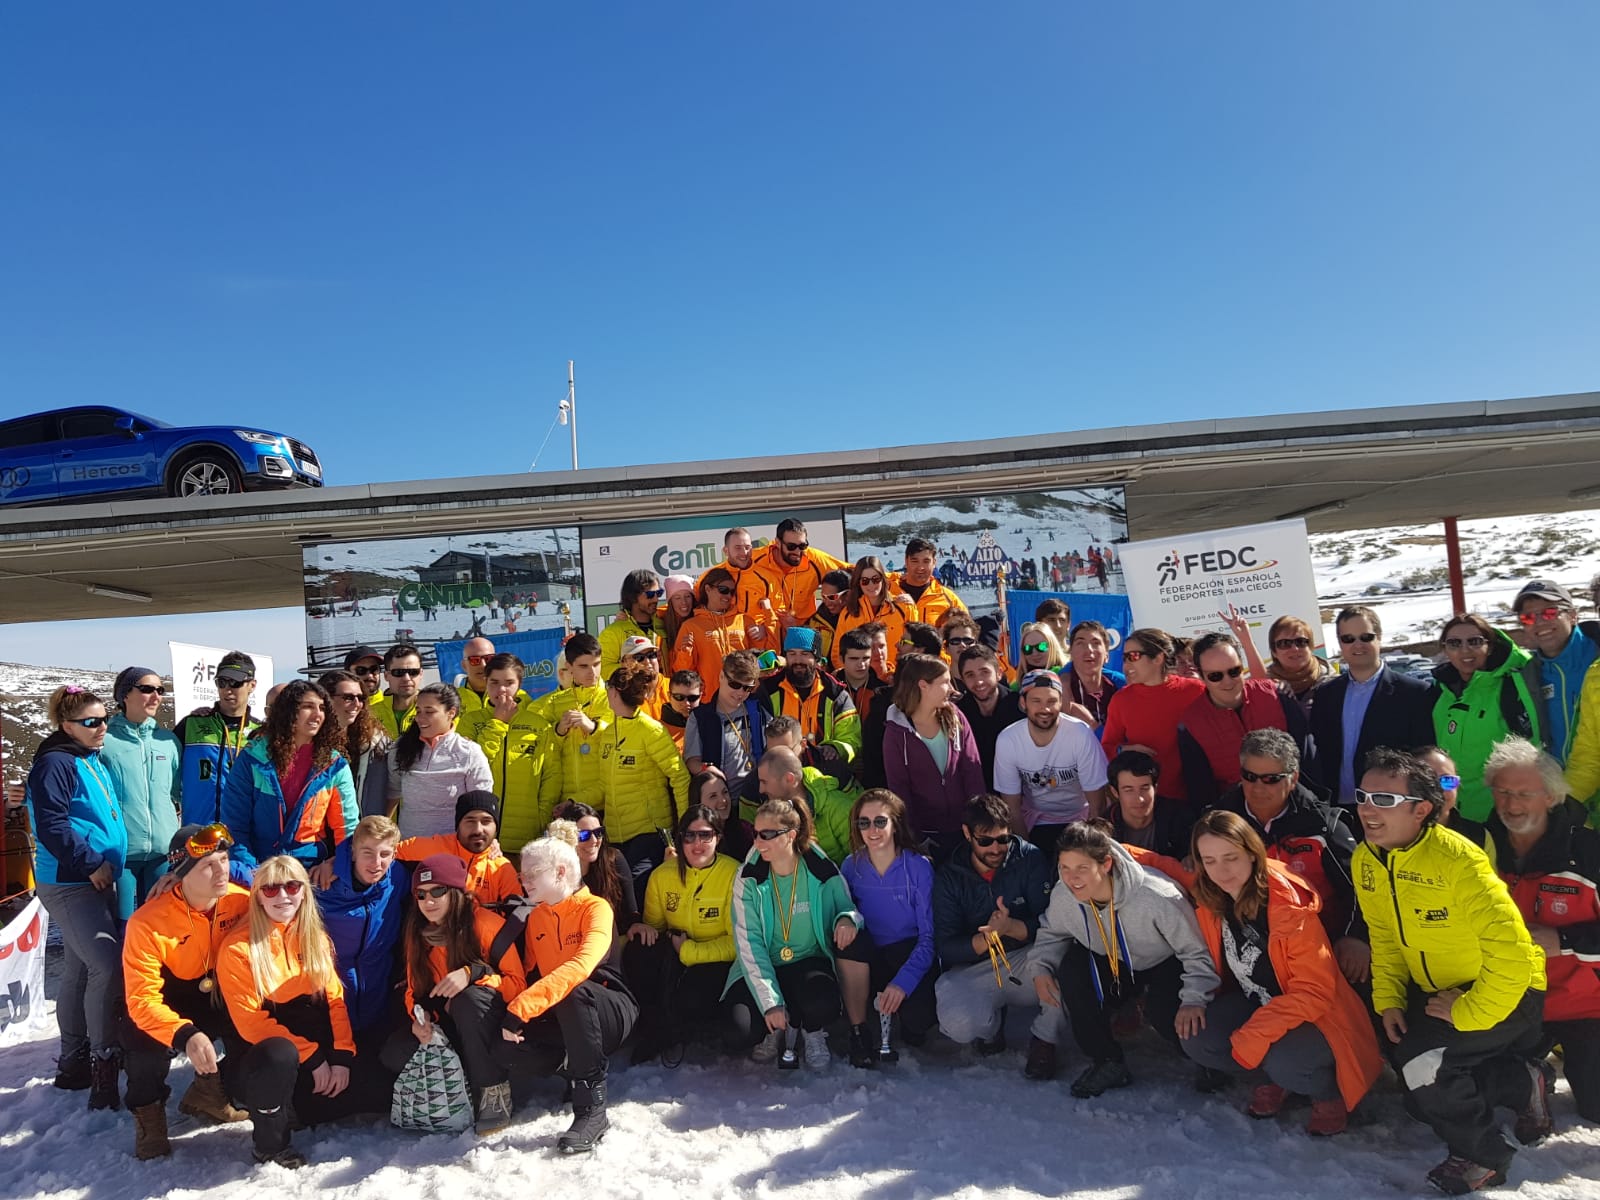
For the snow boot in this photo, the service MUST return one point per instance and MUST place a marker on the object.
(589, 1123)
(104, 1070)
(1328, 1117)
(150, 1131)
(1041, 1062)
(494, 1109)
(207, 1100)
(862, 1052)
(1457, 1176)
(270, 1138)
(1101, 1077)
(72, 1072)
(1208, 1081)
(1534, 1122)
(1266, 1101)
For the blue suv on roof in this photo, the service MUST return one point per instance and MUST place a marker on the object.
(94, 452)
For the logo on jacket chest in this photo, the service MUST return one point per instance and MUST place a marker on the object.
(1432, 916)
(1369, 878)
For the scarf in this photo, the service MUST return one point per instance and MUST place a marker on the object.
(1298, 681)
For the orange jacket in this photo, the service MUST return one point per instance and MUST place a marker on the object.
(937, 602)
(770, 589)
(317, 1024)
(490, 877)
(892, 616)
(1313, 988)
(714, 636)
(658, 699)
(566, 942)
(1171, 867)
(169, 941)
(505, 976)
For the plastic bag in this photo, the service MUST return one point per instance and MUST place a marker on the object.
(431, 1095)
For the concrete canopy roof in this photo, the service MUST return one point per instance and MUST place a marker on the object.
(1364, 468)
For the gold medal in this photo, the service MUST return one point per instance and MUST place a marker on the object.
(207, 983)
(786, 954)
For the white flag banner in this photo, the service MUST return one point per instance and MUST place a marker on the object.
(22, 1005)
(194, 673)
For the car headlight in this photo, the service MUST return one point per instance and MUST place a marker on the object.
(260, 439)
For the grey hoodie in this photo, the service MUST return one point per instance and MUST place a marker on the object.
(1154, 916)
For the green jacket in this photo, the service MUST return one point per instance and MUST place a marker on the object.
(755, 921)
(1469, 718)
(830, 810)
(1439, 916)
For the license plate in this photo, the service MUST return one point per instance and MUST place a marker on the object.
(311, 469)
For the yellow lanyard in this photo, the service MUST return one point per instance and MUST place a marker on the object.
(1110, 943)
(786, 921)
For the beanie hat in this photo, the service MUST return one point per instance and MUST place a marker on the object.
(179, 861)
(440, 870)
(479, 801)
(125, 682)
(800, 637)
(677, 583)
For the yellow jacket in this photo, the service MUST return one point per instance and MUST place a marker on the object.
(643, 780)
(1439, 916)
(525, 766)
(575, 756)
(937, 602)
(700, 904)
(1583, 763)
(381, 707)
(619, 631)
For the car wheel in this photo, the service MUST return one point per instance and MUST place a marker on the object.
(207, 475)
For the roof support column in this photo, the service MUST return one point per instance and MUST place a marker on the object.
(1452, 551)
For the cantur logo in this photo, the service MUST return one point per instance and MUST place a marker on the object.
(1226, 561)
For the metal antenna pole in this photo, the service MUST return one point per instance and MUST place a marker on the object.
(572, 402)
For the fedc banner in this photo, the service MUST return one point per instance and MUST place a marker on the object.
(539, 650)
(1181, 584)
(22, 1004)
(194, 673)
(1111, 611)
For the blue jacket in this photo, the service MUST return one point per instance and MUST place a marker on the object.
(77, 819)
(964, 900)
(1561, 683)
(210, 745)
(145, 763)
(896, 907)
(263, 825)
(365, 928)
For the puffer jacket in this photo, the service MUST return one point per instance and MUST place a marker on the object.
(522, 760)
(1470, 716)
(264, 824)
(699, 904)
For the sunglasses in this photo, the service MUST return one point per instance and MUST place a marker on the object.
(699, 835)
(432, 893)
(352, 697)
(735, 685)
(87, 722)
(148, 689)
(1219, 676)
(1384, 799)
(999, 839)
(290, 888)
(680, 698)
(1268, 777)
(655, 593)
(878, 822)
(1296, 643)
(1350, 639)
(793, 547)
(231, 684)
(1134, 656)
(1544, 614)
(961, 641)
(767, 835)
(1471, 643)
(1450, 783)
(1035, 647)
(724, 589)
(643, 654)
(866, 579)
(591, 835)
(478, 660)
(208, 841)
(405, 672)
(376, 669)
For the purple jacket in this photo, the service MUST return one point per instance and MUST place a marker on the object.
(934, 802)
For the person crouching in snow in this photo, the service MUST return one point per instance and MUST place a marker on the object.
(577, 1012)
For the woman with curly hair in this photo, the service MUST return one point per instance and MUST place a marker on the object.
(290, 790)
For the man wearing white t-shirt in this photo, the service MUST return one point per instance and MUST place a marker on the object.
(1050, 768)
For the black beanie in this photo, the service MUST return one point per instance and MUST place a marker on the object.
(478, 802)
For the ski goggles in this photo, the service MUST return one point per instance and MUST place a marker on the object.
(202, 842)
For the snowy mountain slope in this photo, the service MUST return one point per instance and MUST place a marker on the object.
(24, 691)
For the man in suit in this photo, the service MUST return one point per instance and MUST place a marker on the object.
(1369, 705)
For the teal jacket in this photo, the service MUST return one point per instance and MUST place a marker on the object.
(1470, 717)
(145, 762)
(755, 921)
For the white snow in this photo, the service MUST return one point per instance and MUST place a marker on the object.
(940, 1123)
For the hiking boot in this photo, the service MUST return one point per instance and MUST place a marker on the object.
(207, 1099)
(589, 1123)
(150, 1131)
(1041, 1062)
(287, 1157)
(1101, 1077)
(817, 1054)
(1328, 1117)
(1266, 1101)
(862, 1052)
(1534, 1122)
(1457, 1176)
(494, 1109)
(72, 1072)
(103, 1072)
(768, 1048)
(1208, 1081)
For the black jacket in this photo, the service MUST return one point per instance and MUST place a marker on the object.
(1173, 822)
(964, 900)
(986, 730)
(1400, 716)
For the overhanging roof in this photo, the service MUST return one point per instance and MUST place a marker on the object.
(1363, 468)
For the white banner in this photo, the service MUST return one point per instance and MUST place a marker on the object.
(1179, 584)
(194, 669)
(22, 1005)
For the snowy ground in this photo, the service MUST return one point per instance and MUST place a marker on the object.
(941, 1123)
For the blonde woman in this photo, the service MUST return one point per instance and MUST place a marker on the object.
(278, 977)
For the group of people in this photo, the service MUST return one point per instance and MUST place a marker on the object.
(794, 791)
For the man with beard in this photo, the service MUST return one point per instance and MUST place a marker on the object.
(780, 589)
(989, 706)
(642, 591)
(1049, 768)
(827, 715)
(491, 879)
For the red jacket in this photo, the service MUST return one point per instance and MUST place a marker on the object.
(1140, 715)
(1209, 737)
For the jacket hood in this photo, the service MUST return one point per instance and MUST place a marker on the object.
(1505, 656)
(62, 743)
(343, 887)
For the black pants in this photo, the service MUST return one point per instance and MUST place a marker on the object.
(1455, 1079)
(810, 993)
(1045, 836)
(917, 1015)
(583, 1030)
(941, 847)
(643, 854)
(472, 1023)
(272, 1078)
(147, 1061)
(672, 997)
(1580, 1058)
(1091, 1009)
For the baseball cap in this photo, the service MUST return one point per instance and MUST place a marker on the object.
(359, 653)
(1543, 589)
(637, 645)
(1038, 679)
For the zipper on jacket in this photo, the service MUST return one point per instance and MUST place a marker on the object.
(1394, 896)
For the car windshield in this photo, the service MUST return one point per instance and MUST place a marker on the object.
(150, 421)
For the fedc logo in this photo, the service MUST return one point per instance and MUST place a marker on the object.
(1239, 561)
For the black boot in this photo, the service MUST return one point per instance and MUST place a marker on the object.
(72, 1071)
(589, 1122)
(862, 1052)
(270, 1136)
(103, 1072)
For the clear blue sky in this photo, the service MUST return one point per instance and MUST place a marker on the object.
(385, 228)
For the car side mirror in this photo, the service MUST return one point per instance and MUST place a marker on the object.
(125, 426)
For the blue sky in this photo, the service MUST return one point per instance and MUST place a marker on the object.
(385, 228)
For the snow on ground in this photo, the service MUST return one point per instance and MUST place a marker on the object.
(940, 1123)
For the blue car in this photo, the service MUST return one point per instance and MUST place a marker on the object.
(94, 452)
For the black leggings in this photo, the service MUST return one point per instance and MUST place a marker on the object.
(1090, 1009)
(672, 997)
(810, 993)
(917, 1016)
(472, 1023)
(583, 1030)
(271, 1078)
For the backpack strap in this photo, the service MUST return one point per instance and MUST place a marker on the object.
(510, 935)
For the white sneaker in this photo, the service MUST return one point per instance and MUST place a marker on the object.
(816, 1048)
(768, 1048)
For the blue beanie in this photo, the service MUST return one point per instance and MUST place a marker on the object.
(800, 638)
(125, 682)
